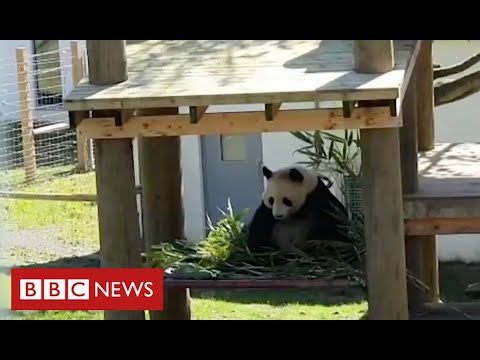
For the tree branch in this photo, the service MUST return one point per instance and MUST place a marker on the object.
(454, 90)
(455, 69)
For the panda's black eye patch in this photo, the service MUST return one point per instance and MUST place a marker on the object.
(287, 202)
(271, 201)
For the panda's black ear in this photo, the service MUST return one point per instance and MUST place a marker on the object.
(295, 175)
(267, 172)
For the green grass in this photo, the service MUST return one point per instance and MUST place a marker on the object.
(77, 222)
(248, 305)
(74, 222)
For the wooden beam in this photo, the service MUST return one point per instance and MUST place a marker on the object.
(271, 111)
(261, 284)
(107, 61)
(373, 56)
(47, 196)
(120, 243)
(426, 122)
(239, 123)
(427, 206)
(441, 226)
(409, 140)
(422, 257)
(196, 113)
(381, 177)
(411, 69)
(162, 206)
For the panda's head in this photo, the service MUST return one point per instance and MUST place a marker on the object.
(287, 189)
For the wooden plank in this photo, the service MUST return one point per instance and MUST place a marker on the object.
(48, 196)
(447, 311)
(19, 195)
(26, 115)
(408, 140)
(208, 72)
(426, 124)
(411, 69)
(51, 128)
(260, 284)
(162, 206)
(120, 242)
(438, 205)
(442, 226)
(238, 123)
(382, 187)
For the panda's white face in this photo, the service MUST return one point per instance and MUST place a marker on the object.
(285, 192)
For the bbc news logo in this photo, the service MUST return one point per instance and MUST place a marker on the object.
(87, 289)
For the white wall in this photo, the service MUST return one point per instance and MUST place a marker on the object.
(458, 122)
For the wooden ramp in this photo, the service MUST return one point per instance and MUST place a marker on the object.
(448, 200)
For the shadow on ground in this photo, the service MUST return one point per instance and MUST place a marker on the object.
(454, 278)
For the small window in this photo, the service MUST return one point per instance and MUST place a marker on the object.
(234, 147)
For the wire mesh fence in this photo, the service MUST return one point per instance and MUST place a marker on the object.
(36, 142)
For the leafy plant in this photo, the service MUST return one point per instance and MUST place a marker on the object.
(339, 157)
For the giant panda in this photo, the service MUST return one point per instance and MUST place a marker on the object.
(296, 207)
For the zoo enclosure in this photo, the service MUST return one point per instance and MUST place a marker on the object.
(36, 142)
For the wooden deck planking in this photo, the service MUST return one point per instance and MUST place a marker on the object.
(449, 185)
(166, 73)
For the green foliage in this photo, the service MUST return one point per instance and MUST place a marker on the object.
(340, 156)
(224, 254)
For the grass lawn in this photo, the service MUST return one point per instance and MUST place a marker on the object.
(76, 223)
(248, 305)
(73, 222)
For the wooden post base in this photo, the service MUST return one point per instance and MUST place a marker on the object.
(120, 243)
(385, 243)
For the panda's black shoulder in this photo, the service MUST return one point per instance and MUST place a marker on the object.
(321, 198)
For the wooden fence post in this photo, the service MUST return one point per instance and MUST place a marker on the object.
(84, 156)
(26, 115)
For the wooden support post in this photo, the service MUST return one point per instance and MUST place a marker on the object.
(120, 243)
(373, 56)
(409, 139)
(421, 250)
(381, 175)
(26, 116)
(107, 61)
(163, 213)
(84, 158)
(425, 122)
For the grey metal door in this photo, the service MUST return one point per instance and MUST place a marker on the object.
(232, 169)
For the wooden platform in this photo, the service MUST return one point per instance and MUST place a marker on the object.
(448, 200)
(447, 311)
(165, 73)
